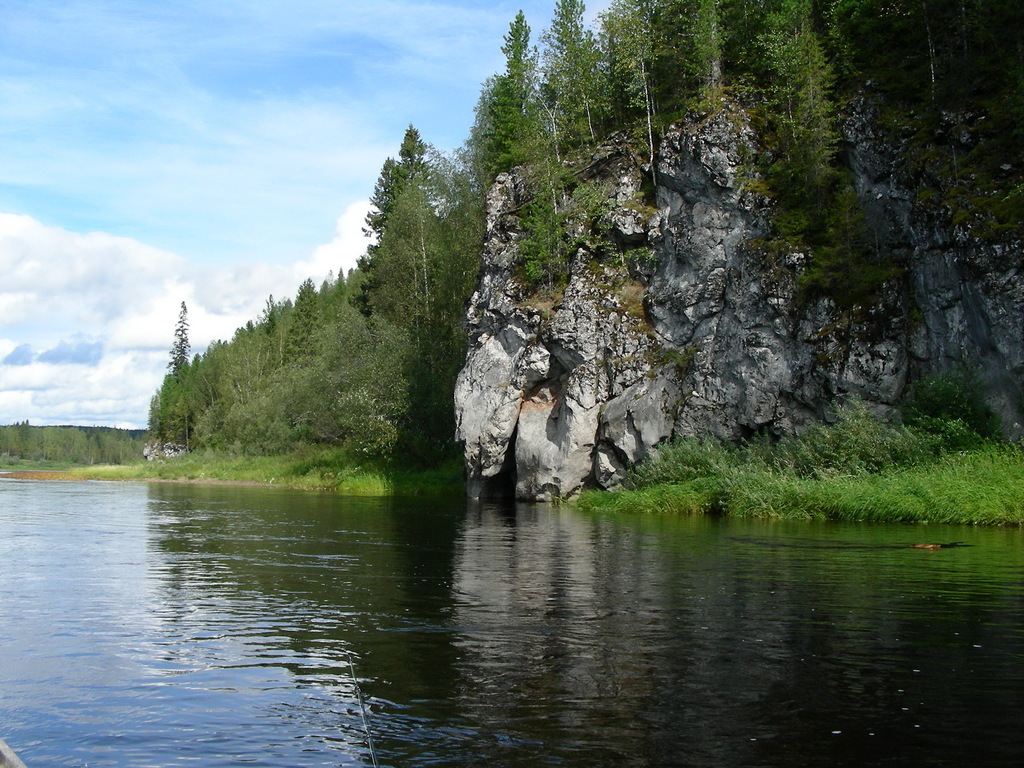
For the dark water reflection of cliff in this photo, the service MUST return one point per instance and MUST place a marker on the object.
(215, 626)
(700, 642)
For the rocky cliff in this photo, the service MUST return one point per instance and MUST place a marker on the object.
(687, 327)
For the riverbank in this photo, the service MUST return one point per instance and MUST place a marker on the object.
(34, 474)
(984, 486)
(321, 470)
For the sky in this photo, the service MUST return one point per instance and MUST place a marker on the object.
(215, 153)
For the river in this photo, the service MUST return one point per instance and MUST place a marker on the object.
(160, 625)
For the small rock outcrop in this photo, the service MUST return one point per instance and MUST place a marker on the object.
(678, 324)
(157, 451)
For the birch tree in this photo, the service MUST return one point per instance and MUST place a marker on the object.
(629, 43)
(572, 86)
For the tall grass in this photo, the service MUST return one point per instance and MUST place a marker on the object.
(857, 468)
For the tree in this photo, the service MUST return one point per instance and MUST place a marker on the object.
(801, 96)
(410, 168)
(629, 41)
(304, 321)
(507, 116)
(708, 44)
(180, 348)
(394, 175)
(357, 391)
(572, 87)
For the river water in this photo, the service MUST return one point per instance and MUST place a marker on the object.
(160, 625)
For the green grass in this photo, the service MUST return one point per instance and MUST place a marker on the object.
(311, 469)
(698, 496)
(858, 469)
(985, 486)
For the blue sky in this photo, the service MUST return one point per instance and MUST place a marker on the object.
(155, 152)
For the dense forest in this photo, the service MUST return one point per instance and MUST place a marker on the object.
(69, 445)
(367, 361)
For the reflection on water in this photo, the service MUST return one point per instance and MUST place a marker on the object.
(160, 625)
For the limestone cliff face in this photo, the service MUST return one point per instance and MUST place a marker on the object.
(689, 329)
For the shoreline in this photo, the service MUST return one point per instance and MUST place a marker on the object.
(323, 471)
(37, 474)
(72, 476)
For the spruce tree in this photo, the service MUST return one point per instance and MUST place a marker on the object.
(507, 115)
(304, 321)
(410, 168)
(180, 349)
(394, 175)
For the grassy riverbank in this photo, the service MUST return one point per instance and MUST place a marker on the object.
(857, 469)
(311, 469)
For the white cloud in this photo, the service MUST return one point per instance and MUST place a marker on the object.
(87, 320)
(341, 254)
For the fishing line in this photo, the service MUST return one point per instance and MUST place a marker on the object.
(362, 713)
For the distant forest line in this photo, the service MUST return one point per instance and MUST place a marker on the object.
(60, 445)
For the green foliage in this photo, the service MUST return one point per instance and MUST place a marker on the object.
(22, 444)
(630, 41)
(855, 443)
(544, 247)
(303, 322)
(590, 202)
(951, 405)
(410, 171)
(700, 496)
(313, 371)
(573, 91)
(180, 349)
(366, 364)
(985, 486)
(509, 124)
(361, 391)
(322, 468)
(394, 176)
(429, 252)
(684, 460)
(857, 468)
(797, 60)
(801, 97)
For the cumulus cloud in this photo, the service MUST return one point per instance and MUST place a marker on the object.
(73, 353)
(156, 153)
(349, 243)
(233, 130)
(123, 298)
(20, 355)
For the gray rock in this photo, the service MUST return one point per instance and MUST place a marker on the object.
(691, 330)
(157, 451)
